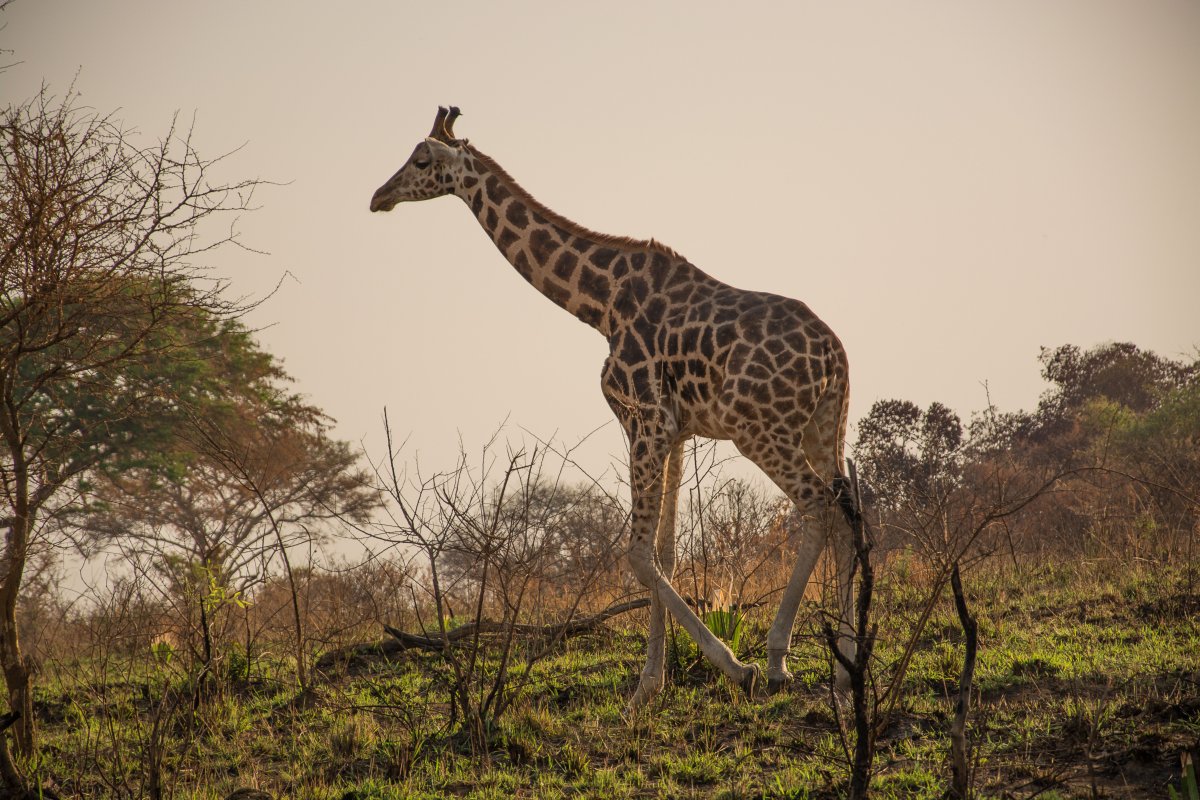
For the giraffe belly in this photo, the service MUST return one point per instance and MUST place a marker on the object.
(700, 420)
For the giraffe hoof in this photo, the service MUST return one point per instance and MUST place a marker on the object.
(751, 680)
(646, 691)
(777, 683)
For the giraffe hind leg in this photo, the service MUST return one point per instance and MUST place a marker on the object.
(806, 468)
(814, 534)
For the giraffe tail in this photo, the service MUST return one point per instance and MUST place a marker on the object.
(844, 495)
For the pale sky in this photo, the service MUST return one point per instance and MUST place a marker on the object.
(949, 185)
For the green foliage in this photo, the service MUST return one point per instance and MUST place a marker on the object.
(217, 595)
(163, 651)
(727, 624)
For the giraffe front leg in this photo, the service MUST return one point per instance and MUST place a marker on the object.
(654, 674)
(647, 459)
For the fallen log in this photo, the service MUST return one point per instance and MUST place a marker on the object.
(570, 628)
(402, 640)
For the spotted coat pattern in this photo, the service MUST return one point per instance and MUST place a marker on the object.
(688, 356)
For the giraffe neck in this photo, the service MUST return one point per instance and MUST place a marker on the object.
(579, 270)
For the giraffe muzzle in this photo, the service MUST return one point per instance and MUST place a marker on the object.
(381, 202)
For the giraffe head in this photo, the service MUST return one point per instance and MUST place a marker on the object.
(429, 171)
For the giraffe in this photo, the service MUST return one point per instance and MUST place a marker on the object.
(688, 356)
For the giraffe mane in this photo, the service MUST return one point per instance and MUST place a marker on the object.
(554, 217)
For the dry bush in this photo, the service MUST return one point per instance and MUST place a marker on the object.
(503, 546)
(340, 604)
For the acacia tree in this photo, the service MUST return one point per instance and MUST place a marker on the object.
(251, 472)
(99, 239)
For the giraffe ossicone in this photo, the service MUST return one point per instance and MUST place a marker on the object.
(688, 356)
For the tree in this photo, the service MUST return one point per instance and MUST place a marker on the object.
(98, 292)
(251, 473)
(1118, 371)
(908, 455)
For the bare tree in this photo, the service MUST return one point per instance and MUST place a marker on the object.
(494, 540)
(98, 268)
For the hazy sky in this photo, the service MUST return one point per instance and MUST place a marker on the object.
(950, 185)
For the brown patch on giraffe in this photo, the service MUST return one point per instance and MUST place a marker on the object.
(620, 268)
(507, 238)
(516, 215)
(641, 384)
(660, 268)
(541, 246)
(593, 284)
(590, 314)
(603, 257)
(743, 409)
(492, 220)
(624, 305)
(631, 351)
(638, 288)
(656, 308)
(564, 266)
(560, 295)
(497, 192)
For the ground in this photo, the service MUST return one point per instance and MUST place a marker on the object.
(1088, 685)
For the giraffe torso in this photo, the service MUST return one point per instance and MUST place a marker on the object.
(713, 356)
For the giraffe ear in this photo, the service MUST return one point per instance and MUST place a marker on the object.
(441, 150)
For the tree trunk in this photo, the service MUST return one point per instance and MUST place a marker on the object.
(17, 676)
(960, 748)
(16, 672)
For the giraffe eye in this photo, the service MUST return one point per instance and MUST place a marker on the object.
(422, 164)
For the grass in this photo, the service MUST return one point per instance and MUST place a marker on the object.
(1087, 679)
